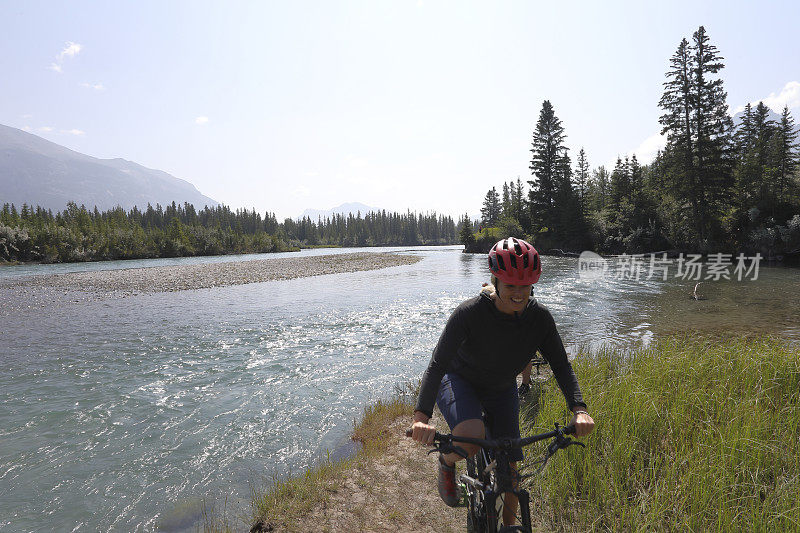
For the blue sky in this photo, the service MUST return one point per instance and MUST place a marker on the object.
(422, 105)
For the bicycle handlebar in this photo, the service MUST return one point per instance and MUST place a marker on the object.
(502, 443)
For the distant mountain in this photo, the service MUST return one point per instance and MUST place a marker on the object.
(771, 115)
(344, 209)
(38, 172)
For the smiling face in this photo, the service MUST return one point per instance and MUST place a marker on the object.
(512, 298)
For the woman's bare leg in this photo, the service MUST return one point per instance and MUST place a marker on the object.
(511, 502)
(472, 428)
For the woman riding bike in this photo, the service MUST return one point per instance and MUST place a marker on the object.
(486, 342)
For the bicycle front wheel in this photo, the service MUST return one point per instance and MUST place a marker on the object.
(476, 512)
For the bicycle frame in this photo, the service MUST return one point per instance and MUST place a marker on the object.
(489, 476)
(491, 486)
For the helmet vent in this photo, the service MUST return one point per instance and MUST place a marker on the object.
(517, 248)
(500, 264)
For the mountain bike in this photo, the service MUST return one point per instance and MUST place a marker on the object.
(489, 476)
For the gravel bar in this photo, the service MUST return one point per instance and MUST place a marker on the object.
(36, 291)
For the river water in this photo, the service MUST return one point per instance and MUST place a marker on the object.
(125, 414)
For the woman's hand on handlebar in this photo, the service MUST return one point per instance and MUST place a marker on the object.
(584, 424)
(421, 431)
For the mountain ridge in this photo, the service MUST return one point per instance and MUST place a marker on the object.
(343, 209)
(39, 172)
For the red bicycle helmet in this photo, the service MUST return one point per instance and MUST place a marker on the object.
(515, 261)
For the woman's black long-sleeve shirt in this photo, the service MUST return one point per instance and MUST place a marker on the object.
(489, 348)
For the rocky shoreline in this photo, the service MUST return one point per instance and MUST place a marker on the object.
(39, 291)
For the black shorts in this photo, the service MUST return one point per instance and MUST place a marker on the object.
(458, 400)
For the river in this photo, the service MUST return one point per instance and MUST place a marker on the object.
(124, 414)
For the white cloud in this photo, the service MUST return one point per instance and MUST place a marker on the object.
(26, 128)
(70, 50)
(648, 149)
(645, 152)
(74, 132)
(95, 86)
(788, 96)
(201, 120)
(46, 128)
(27, 115)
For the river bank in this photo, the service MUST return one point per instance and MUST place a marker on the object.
(693, 433)
(385, 486)
(41, 291)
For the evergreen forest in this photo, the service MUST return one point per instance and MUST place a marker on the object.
(715, 187)
(78, 234)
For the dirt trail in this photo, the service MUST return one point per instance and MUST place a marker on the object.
(392, 493)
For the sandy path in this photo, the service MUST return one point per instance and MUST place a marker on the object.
(393, 493)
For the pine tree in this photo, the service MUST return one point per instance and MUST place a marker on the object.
(747, 174)
(698, 128)
(676, 121)
(763, 129)
(490, 212)
(787, 152)
(744, 138)
(713, 127)
(518, 202)
(636, 181)
(620, 184)
(569, 226)
(582, 179)
(465, 235)
(507, 211)
(600, 181)
(546, 164)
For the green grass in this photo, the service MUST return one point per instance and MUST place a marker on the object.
(693, 434)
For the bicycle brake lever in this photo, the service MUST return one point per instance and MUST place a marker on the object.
(552, 448)
(458, 450)
(570, 442)
(445, 449)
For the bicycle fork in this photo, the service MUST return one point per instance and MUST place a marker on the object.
(493, 504)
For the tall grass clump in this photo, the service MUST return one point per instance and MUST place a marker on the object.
(692, 434)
